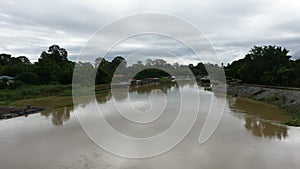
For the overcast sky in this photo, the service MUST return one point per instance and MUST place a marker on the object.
(28, 27)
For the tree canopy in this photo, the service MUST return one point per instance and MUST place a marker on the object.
(266, 65)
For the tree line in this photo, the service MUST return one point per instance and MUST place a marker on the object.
(54, 67)
(267, 65)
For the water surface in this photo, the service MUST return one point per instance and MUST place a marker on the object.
(250, 134)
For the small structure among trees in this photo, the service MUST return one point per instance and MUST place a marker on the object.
(6, 82)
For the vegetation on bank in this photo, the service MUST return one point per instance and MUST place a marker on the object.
(8, 96)
(52, 74)
(266, 65)
(294, 122)
(54, 67)
(32, 91)
(295, 118)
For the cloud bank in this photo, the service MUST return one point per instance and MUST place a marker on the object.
(233, 26)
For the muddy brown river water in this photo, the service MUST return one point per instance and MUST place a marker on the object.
(250, 135)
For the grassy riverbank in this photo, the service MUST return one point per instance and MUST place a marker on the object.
(10, 96)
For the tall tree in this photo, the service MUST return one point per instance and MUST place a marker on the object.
(269, 65)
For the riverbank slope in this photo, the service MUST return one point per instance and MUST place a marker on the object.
(287, 99)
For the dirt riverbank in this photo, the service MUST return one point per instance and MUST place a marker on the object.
(286, 99)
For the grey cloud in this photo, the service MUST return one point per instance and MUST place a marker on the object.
(233, 26)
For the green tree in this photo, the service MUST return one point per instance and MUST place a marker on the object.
(54, 67)
(268, 65)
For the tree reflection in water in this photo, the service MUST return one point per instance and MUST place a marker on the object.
(261, 119)
(146, 89)
(63, 113)
(103, 97)
(265, 129)
(58, 115)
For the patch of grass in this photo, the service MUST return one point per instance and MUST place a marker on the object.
(26, 92)
(294, 122)
(10, 96)
(251, 97)
(165, 79)
(295, 117)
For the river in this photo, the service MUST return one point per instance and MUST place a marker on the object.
(250, 134)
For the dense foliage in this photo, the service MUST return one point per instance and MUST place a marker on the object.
(53, 67)
(266, 65)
